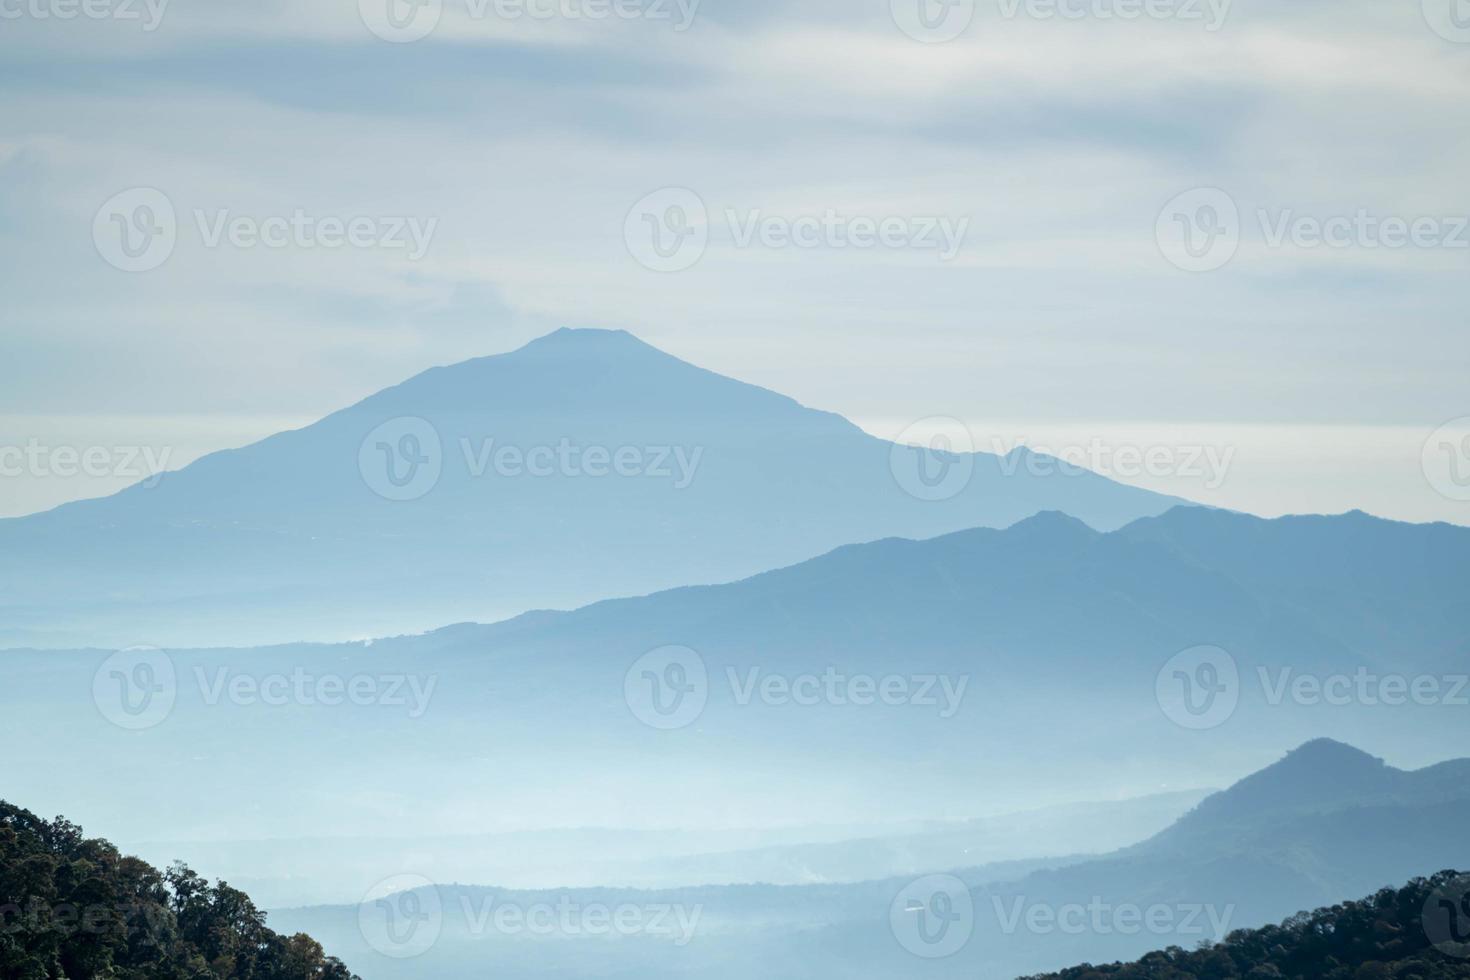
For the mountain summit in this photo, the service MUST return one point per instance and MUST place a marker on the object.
(583, 465)
(572, 372)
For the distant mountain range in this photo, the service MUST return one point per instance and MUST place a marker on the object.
(1320, 777)
(1026, 666)
(584, 465)
(332, 869)
(1324, 824)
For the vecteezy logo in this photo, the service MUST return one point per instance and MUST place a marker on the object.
(1450, 19)
(933, 459)
(135, 688)
(1446, 459)
(933, 916)
(1199, 688)
(1447, 917)
(668, 230)
(402, 916)
(1199, 230)
(400, 21)
(667, 688)
(136, 230)
(401, 459)
(932, 21)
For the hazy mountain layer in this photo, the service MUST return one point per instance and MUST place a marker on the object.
(975, 673)
(326, 870)
(1004, 920)
(584, 465)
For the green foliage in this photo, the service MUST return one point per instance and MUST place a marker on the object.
(1382, 937)
(77, 909)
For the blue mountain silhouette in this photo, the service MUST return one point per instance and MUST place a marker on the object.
(586, 464)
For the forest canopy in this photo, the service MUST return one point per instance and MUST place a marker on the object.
(73, 907)
(1418, 932)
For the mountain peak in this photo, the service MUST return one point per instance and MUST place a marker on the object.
(1330, 752)
(1314, 776)
(1051, 525)
(1313, 766)
(1049, 519)
(586, 372)
(589, 344)
(1317, 777)
(587, 337)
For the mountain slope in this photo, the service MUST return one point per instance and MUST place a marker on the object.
(1325, 823)
(1026, 666)
(334, 869)
(1280, 841)
(1014, 920)
(583, 465)
(1319, 777)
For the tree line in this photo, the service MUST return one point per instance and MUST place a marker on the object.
(75, 908)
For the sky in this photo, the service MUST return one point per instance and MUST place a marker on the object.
(1176, 230)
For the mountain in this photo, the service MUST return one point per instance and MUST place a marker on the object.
(1320, 776)
(1325, 823)
(722, 932)
(973, 673)
(586, 464)
(1337, 818)
(1309, 848)
(330, 869)
(1032, 835)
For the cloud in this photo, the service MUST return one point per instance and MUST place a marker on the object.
(527, 142)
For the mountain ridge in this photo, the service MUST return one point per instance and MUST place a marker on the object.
(1304, 861)
(1319, 777)
(1053, 639)
(482, 489)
